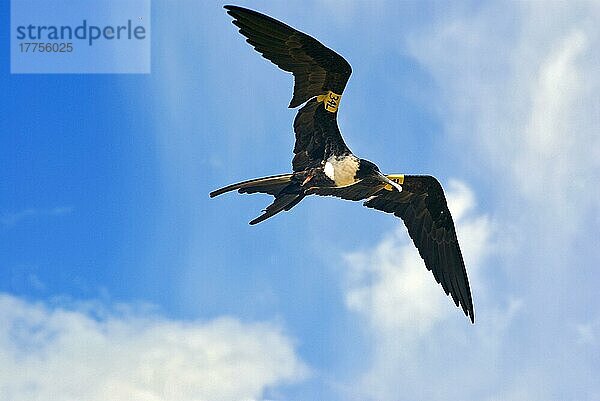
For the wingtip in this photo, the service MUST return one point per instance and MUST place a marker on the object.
(470, 314)
(256, 220)
(231, 9)
(469, 309)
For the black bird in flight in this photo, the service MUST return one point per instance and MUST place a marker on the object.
(324, 165)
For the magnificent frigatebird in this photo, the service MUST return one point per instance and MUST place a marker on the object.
(324, 165)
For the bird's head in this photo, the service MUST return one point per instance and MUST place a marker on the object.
(369, 169)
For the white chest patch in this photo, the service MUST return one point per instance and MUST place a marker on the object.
(342, 170)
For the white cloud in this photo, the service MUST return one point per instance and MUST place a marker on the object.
(87, 353)
(390, 285)
(518, 93)
(402, 305)
(391, 288)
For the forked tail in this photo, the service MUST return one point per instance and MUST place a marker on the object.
(271, 185)
(287, 192)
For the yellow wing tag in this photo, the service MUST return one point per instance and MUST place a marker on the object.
(397, 178)
(330, 100)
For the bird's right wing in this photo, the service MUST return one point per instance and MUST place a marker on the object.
(423, 208)
(320, 76)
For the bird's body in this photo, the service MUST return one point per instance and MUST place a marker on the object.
(342, 170)
(324, 165)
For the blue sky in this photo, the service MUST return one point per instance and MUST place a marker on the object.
(119, 273)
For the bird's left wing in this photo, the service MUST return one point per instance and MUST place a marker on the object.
(423, 208)
(320, 76)
(316, 68)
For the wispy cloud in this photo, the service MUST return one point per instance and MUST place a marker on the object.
(519, 93)
(402, 305)
(10, 219)
(89, 353)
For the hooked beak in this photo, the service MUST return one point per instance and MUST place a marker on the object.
(386, 180)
